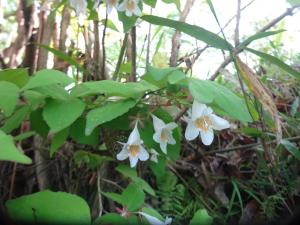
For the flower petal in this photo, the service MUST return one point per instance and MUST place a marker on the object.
(156, 137)
(137, 11)
(191, 131)
(171, 126)
(163, 147)
(128, 13)
(133, 161)
(171, 140)
(123, 154)
(151, 219)
(207, 137)
(198, 109)
(168, 221)
(158, 124)
(219, 123)
(122, 6)
(143, 154)
(134, 137)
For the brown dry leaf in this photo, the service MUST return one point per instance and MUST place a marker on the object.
(261, 93)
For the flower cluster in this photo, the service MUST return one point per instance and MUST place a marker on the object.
(130, 7)
(201, 121)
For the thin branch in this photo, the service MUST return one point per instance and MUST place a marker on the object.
(133, 54)
(121, 56)
(237, 27)
(288, 12)
(103, 47)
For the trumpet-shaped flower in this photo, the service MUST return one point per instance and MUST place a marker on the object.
(163, 133)
(154, 221)
(80, 9)
(110, 4)
(133, 149)
(130, 7)
(203, 121)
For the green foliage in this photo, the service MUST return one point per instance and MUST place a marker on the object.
(291, 147)
(16, 119)
(107, 112)
(18, 77)
(9, 152)
(49, 207)
(201, 217)
(208, 91)
(9, 94)
(58, 140)
(47, 77)
(77, 133)
(61, 114)
(92, 160)
(199, 33)
(276, 61)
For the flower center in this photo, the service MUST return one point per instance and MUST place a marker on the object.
(164, 135)
(203, 123)
(112, 2)
(130, 5)
(134, 150)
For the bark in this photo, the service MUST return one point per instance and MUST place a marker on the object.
(177, 35)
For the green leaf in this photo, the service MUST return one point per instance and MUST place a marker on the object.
(77, 133)
(133, 197)
(18, 77)
(47, 207)
(294, 2)
(151, 3)
(105, 113)
(114, 196)
(54, 91)
(176, 2)
(90, 159)
(9, 94)
(176, 76)
(9, 152)
(276, 61)
(206, 91)
(291, 147)
(61, 114)
(153, 212)
(159, 74)
(201, 217)
(58, 140)
(128, 21)
(258, 36)
(63, 56)
(110, 24)
(47, 77)
(110, 218)
(202, 91)
(24, 136)
(34, 98)
(110, 88)
(16, 119)
(38, 124)
(131, 173)
(199, 33)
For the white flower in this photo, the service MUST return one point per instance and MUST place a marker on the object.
(154, 221)
(130, 7)
(203, 121)
(110, 4)
(163, 133)
(80, 9)
(154, 155)
(133, 149)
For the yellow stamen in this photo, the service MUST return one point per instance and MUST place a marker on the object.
(164, 135)
(134, 150)
(203, 123)
(130, 5)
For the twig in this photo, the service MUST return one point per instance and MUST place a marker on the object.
(103, 46)
(99, 191)
(235, 148)
(288, 12)
(148, 42)
(237, 27)
(177, 34)
(133, 54)
(121, 56)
